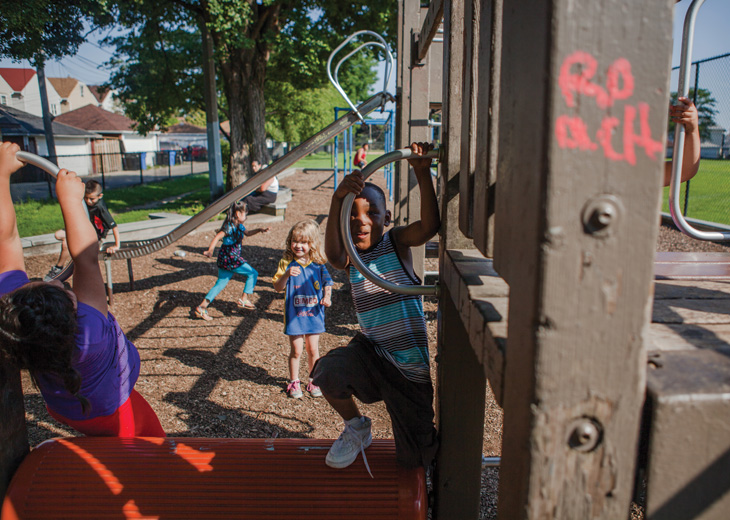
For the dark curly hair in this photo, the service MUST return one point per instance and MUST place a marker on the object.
(38, 333)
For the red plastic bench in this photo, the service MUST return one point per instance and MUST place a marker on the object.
(101, 478)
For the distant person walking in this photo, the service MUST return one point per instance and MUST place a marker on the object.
(360, 160)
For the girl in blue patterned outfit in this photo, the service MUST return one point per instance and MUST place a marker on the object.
(230, 259)
(308, 291)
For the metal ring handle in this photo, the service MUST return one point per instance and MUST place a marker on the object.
(45, 165)
(334, 80)
(678, 150)
(421, 290)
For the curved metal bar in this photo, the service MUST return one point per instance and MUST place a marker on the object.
(52, 169)
(335, 82)
(679, 137)
(423, 290)
(351, 54)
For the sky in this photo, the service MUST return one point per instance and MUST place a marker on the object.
(711, 39)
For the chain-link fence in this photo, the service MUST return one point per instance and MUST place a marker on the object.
(112, 169)
(706, 196)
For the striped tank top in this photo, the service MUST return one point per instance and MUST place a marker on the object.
(393, 322)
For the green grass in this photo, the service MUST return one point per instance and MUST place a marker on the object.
(708, 193)
(38, 217)
(324, 160)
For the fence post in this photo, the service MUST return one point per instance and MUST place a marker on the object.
(141, 177)
(169, 165)
(103, 179)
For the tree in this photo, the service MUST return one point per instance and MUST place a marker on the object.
(255, 41)
(706, 110)
(50, 29)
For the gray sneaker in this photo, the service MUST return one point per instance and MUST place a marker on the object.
(353, 440)
(52, 273)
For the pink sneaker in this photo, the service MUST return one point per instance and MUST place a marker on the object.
(314, 390)
(294, 389)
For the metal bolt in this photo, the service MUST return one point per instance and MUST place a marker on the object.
(600, 215)
(585, 435)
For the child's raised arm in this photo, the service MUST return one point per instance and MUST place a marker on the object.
(417, 233)
(11, 250)
(83, 244)
(685, 113)
(333, 246)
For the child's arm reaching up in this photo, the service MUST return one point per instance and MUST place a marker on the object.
(11, 250)
(417, 233)
(88, 285)
(685, 113)
(333, 246)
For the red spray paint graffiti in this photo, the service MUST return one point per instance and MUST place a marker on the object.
(573, 133)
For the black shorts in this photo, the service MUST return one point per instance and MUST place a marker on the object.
(357, 370)
(359, 164)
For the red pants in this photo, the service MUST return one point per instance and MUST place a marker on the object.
(135, 418)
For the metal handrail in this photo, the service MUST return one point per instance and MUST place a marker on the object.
(679, 137)
(422, 290)
(155, 244)
(334, 79)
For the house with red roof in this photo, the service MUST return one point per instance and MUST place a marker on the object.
(73, 145)
(19, 89)
(117, 133)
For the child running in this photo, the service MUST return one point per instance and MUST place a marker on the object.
(308, 290)
(74, 349)
(230, 259)
(388, 360)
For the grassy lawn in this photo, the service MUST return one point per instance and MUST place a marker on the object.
(708, 199)
(38, 217)
(324, 160)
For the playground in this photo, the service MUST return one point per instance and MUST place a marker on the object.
(226, 378)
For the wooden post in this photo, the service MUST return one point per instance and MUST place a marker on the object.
(583, 112)
(13, 433)
(450, 235)
(487, 98)
(461, 391)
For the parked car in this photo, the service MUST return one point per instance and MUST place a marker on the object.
(196, 153)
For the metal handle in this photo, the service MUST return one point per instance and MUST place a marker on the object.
(45, 165)
(678, 151)
(421, 290)
(335, 80)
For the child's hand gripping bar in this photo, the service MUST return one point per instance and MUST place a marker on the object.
(425, 290)
(43, 164)
(678, 152)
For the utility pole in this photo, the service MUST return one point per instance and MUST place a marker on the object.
(47, 125)
(211, 116)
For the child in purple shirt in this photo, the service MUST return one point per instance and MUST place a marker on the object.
(74, 349)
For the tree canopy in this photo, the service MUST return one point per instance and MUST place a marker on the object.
(270, 57)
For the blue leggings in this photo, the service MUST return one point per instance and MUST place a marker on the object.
(224, 276)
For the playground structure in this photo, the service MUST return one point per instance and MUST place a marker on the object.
(349, 147)
(552, 113)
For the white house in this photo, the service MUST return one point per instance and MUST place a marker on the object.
(73, 145)
(19, 89)
(117, 135)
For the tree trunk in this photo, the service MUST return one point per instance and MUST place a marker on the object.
(244, 78)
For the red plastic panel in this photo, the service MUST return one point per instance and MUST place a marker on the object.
(101, 478)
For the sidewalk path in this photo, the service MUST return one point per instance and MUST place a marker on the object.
(117, 179)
